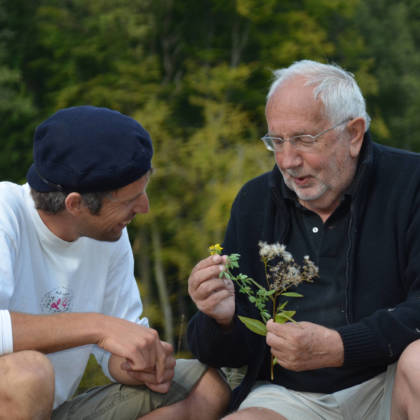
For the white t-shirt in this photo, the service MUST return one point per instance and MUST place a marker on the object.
(42, 274)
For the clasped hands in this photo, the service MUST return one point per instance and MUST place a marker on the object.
(138, 356)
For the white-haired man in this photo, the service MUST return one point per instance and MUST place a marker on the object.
(353, 207)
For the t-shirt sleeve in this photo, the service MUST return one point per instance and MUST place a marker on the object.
(7, 285)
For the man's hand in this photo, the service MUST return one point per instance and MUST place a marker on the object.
(140, 346)
(304, 345)
(122, 371)
(213, 295)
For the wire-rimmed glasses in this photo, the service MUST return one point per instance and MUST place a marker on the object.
(301, 142)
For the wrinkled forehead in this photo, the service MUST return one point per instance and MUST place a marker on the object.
(293, 103)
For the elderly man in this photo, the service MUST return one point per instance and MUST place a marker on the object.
(353, 207)
(68, 288)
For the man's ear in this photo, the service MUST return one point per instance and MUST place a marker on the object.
(356, 128)
(74, 203)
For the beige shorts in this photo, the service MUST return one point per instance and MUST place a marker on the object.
(370, 400)
(116, 401)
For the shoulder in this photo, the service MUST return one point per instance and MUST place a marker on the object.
(390, 157)
(396, 168)
(11, 190)
(13, 214)
(253, 198)
(396, 178)
(256, 187)
(12, 200)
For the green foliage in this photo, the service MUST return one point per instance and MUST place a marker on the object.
(391, 38)
(254, 325)
(16, 107)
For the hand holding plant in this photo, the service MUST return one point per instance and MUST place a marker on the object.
(281, 273)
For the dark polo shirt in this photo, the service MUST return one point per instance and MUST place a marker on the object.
(326, 244)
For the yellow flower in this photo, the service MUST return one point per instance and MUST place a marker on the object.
(215, 249)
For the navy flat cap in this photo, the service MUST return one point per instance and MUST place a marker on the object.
(88, 149)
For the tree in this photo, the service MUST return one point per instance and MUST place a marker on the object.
(16, 107)
(392, 37)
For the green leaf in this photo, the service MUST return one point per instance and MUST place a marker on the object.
(285, 316)
(291, 294)
(282, 306)
(265, 316)
(254, 325)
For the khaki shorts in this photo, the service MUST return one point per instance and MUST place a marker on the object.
(116, 401)
(370, 400)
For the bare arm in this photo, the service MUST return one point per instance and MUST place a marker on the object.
(50, 333)
(139, 345)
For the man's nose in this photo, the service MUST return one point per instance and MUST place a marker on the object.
(142, 204)
(289, 157)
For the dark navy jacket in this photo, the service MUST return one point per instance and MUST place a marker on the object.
(382, 278)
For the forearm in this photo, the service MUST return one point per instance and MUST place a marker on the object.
(120, 375)
(333, 354)
(51, 333)
(380, 338)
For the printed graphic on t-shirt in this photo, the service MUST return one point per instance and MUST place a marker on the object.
(57, 300)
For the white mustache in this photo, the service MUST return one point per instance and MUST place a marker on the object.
(295, 173)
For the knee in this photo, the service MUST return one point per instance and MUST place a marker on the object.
(34, 370)
(252, 413)
(211, 395)
(27, 383)
(218, 389)
(408, 367)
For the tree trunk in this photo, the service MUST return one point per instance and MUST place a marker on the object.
(142, 259)
(162, 288)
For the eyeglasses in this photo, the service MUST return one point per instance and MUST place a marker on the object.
(300, 142)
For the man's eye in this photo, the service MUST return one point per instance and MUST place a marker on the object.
(304, 140)
(277, 141)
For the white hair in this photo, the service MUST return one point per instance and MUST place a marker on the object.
(336, 88)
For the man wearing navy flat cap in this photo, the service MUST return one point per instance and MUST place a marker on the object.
(68, 288)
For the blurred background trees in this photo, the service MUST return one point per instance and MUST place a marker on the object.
(195, 74)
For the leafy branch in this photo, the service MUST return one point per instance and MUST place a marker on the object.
(281, 273)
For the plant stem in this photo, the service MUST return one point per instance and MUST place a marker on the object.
(272, 368)
(274, 299)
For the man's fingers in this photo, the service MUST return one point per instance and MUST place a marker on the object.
(150, 376)
(209, 261)
(168, 347)
(161, 358)
(203, 276)
(162, 388)
(212, 301)
(208, 288)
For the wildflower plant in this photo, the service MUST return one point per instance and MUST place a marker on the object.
(281, 273)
